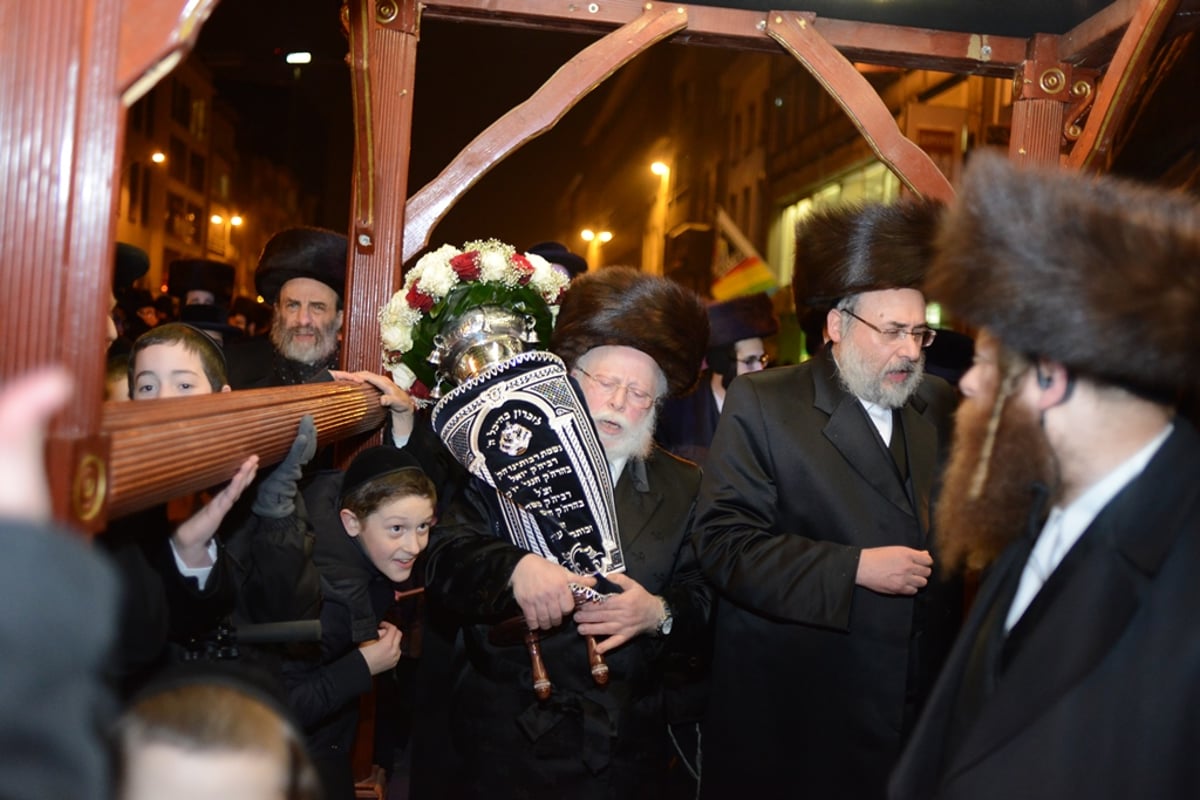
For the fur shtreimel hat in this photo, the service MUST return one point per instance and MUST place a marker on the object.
(302, 253)
(1099, 274)
(626, 307)
(188, 274)
(850, 249)
(748, 317)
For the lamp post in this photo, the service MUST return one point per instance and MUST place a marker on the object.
(656, 229)
(594, 240)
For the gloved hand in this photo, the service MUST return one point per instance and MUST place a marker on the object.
(276, 496)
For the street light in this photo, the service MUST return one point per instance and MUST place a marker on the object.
(594, 240)
(158, 157)
(656, 228)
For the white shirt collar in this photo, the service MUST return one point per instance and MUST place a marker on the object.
(881, 416)
(1064, 526)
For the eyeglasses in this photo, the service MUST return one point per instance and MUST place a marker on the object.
(638, 398)
(924, 336)
(750, 361)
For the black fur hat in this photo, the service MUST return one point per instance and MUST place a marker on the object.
(1099, 274)
(187, 274)
(129, 264)
(302, 253)
(745, 317)
(850, 249)
(626, 307)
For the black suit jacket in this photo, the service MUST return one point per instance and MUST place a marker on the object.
(814, 678)
(1097, 687)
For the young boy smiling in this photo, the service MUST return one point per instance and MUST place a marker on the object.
(369, 531)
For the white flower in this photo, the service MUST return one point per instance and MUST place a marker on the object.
(548, 281)
(438, 280)
(494, 267)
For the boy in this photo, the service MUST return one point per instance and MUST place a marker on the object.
(175, 360)
(177, 588)
(370, 525)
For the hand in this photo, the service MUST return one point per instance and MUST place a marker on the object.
(894, 570)
(622, 616)
(191, 538)
(393, 398)
(383, 653)
(542, 590)
(26, 405)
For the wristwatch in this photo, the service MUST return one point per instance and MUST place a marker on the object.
(665, 621)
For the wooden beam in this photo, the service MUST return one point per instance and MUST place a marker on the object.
(544, 108)
(1120, 84)
(861, 103)
(155, 35)
(888, 45)
(172, 447)
(1091, 42)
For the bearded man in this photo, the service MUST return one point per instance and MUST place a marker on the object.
(813, 525)
(302, 273)
(629, 339)
(1077, 673)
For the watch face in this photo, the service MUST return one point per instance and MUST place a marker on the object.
(665, 627)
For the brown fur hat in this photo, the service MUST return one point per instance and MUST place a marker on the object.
(1099, 274)
(624, 306)
(850, 249)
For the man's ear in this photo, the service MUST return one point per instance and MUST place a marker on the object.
(350, 522)
(833, 325)
(1053, 383)
(340, 314)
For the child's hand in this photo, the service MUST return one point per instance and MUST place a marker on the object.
(191, 538)
(383, 653)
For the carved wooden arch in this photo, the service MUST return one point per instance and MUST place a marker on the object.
(74, 64)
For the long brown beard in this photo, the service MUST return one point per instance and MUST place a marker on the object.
(979, 514)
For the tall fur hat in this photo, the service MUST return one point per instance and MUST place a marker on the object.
(748, 317)
(302, 253)
(1099, 274)
(850, 249)
(186, 274)
(129, 263)
(626, 307)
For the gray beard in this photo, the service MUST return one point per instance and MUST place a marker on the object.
(635, 442)
(861, 380)
(320, 352)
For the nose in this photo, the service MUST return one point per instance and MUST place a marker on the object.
(910, 347)
(618, 397)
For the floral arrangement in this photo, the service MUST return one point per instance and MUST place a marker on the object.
(447, 282)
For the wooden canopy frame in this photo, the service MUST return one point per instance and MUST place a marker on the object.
(73, 67)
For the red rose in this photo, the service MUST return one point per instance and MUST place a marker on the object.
(524, 269)
(466, 266)
(418, 299)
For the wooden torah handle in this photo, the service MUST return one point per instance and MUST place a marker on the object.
(541, 679)
(596, 659)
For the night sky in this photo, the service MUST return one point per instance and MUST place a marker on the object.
(467, 76)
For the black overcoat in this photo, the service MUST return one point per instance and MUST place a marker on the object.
(585, 741)
(814, 679)
(1097, 687)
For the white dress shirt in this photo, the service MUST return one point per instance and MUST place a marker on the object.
(1064, 526)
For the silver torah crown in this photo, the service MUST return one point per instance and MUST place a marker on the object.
(475, 339)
